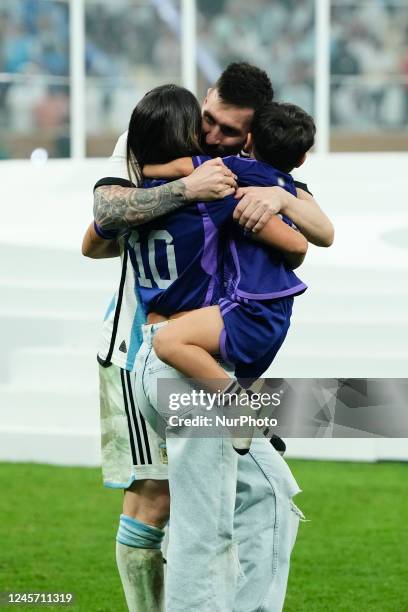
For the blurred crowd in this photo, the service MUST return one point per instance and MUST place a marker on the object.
(129, 49)
(34, 67)
(132, 45)
(368, 47)
(369, 64)
(277, 36)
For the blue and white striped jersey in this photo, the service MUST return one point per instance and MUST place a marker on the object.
(121, 330)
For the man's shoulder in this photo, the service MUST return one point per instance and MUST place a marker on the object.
(303, 186)
(120, 147)
(116, 164)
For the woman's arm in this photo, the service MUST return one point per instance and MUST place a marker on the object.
(172, 170)
(96, 247)
(291, 243)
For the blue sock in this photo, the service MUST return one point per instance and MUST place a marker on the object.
(136, 534)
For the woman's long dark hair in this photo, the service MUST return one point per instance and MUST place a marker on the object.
(165, 125)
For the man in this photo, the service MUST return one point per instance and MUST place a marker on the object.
(228, 110)
(227, 115)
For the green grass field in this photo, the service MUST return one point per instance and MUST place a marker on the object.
(57, 530)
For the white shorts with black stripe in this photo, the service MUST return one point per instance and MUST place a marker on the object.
(131, 450)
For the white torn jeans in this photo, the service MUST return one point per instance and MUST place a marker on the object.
(233, 521)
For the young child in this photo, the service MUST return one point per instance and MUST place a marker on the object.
(252, 318)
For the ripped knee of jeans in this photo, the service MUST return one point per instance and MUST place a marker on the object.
(298, 512)
(234, 554)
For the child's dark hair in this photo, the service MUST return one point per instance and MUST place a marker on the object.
(244, 85)
(165, 125)
(282, 134)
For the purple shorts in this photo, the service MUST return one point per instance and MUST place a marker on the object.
(254, 331)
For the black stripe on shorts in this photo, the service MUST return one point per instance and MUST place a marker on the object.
(125, 401)
(139, 426)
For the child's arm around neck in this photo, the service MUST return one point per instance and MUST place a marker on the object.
(178, 168)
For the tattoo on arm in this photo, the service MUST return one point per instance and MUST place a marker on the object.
(119, 208)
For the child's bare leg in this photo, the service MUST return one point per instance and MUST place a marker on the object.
(188, 343)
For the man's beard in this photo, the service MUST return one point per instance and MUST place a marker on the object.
(219, 151)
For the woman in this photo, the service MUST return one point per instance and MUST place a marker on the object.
(169, 252)
(190, 282)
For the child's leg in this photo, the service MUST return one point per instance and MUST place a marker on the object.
(188, 342)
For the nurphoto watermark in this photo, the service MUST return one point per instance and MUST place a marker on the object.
(295, 407)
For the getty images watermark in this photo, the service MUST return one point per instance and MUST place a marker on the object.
(191, 408)
(291, 407)
(230, 409)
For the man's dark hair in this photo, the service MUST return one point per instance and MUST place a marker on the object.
(282, 134)
(244, 85)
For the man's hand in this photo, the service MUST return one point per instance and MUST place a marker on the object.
(210, 181)
(257, 206)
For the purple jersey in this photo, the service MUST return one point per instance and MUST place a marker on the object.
(254, 270)
(176, 257)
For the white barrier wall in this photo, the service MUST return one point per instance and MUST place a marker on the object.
(352, 322)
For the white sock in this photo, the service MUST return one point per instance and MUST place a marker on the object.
(141, 573)
(241, 438)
